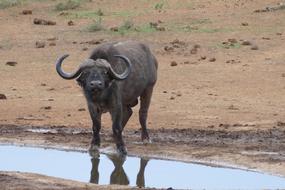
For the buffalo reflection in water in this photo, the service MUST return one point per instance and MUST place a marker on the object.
(118, 175)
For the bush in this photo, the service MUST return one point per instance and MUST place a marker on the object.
(69, 4)
(96, 25)
(8, 3)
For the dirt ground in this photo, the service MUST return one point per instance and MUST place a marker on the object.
(220, 91)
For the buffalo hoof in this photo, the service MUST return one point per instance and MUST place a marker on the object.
(146, 141)
(122, 151)
(94, 151)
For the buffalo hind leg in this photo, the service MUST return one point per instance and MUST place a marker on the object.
(145, 102)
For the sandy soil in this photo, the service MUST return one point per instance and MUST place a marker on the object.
(222, 103)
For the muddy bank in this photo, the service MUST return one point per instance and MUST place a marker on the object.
(256, 149)
(28, 181)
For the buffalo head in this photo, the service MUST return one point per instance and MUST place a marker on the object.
(94, 75)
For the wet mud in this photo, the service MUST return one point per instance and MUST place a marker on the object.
(256, 149)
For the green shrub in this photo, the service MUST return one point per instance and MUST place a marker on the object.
(9, 3)
(96, 25)
(67, 5)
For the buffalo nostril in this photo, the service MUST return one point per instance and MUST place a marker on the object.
(96, 83)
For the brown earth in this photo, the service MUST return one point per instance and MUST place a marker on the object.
(220, 91)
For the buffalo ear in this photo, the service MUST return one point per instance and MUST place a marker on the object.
(80, 81)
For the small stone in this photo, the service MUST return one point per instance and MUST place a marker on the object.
(280, 123)
(47, 107)
(27, 12)
(244, 24)
(203, 57)
(114, 29)
(164, 91)
(52, 44)
(254, 47)
(70, 23)
(265, 38)
(278, 33)
(168, 48)
(50, 99)
(81, 109)
(3, 97)
(196, 46)
(153, 24)
(194, 51)
(246, 43)
(173, 63)
(84, 49)
(52, 39)
(160, 28)
(40, 44)
(43, 84)
(232, 40)
(43, 22)
(172, 98)
(212, 59)
(11, 63)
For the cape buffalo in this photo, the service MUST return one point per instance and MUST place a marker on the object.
(113, 78)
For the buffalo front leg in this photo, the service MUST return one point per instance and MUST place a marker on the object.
(96, 126)
(117, 116)
(145, 102)
(127, 113)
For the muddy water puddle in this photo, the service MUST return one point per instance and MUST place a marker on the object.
(133, 171)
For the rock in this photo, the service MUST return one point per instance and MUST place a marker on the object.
(40, 44)
(212, 59)
(266, 38)
(194, 51)
(81, 109)
(179, 94)
(168, 48)
(43, 84)
(3, 97)
(153, 24)
(280, 123)
(52, 39)
(27, 12)
(173, 63)
(43, 22)
(254, 47)
(244, 24)
(70, 23)
(160, 28)
(196, 46)
(203, 57)
(52, 44)
(11, 63)
(84, 49)
(172, 98)
(246, 43)
(164, 91)
(114, 29)
(232, 40)
(278, 33)
(47, 107)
